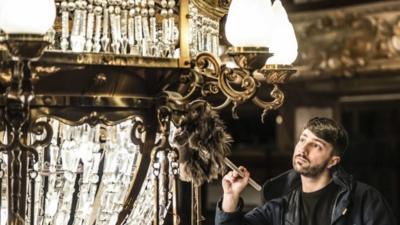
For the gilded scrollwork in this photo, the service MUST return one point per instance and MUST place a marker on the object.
(208, 65)
(222, 86)
(138, 133)
(236, 84)
(278, 97)
(40, 128)
(224, 3)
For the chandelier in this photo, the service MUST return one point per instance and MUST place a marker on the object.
(94, 92)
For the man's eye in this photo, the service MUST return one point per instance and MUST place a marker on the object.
(317, 146)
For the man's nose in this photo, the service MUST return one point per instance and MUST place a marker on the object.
(304, 148)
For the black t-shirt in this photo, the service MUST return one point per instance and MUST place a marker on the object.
(317, 206)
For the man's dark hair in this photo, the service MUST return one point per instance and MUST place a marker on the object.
(331, 132)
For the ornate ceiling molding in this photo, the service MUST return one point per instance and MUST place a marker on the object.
(348, 41)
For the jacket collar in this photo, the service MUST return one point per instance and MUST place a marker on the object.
(290, 182)
(286, 182)
(343, 179)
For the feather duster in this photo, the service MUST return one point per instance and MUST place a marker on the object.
(203, 144)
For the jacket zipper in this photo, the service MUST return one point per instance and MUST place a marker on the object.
(335, 204)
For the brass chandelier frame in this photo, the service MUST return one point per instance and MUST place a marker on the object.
(183, 81)
(242, 84)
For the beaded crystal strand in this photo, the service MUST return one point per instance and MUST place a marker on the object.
(138, 25)
(192, 30)
(215, 38)
(131, 27)
(153, 28)
(115, 20)
(164, 28)
(76, 41)
(97, 30)
(145, 27)
(172, 33)
(105, 39)
(83, 25)
(124, 27)
(64, 25)
(90, 26)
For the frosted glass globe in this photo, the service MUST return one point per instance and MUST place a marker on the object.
(27, 16)
(247, 23)
(283, 40)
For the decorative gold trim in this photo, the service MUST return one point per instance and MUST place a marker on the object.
(277, 74)
(211, 8)
(132, 103)
(107, 59)
(250, 58)
(246, 50)
(184, 60)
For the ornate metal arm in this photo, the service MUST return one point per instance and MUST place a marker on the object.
(210, 77)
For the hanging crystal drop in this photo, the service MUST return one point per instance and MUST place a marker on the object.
(124, 27)
(105, 40)
(90, 26)
(98, 10)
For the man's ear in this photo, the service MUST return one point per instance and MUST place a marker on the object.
(335, 159)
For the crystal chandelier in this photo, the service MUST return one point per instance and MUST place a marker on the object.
(94, 91)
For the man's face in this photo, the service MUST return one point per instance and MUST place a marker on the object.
(312, 155)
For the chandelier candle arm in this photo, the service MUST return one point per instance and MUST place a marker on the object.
(278, 97)
(217, 78)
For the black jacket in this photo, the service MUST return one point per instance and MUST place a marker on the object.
(356, 204)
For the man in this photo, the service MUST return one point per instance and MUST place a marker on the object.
(316, 192)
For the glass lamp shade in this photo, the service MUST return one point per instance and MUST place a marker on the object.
(1, 7)
(247, 24)
(27, 16)
(283, 40)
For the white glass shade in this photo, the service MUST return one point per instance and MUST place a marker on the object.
(283, 38)
(1, 8)
(27, 16)
(247, 24)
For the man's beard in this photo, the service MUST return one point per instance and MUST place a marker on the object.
(308, 170)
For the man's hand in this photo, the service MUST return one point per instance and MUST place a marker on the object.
(233, 184)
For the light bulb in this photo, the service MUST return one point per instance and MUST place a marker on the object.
(283, 39)
(247, 24)
(27, 16)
